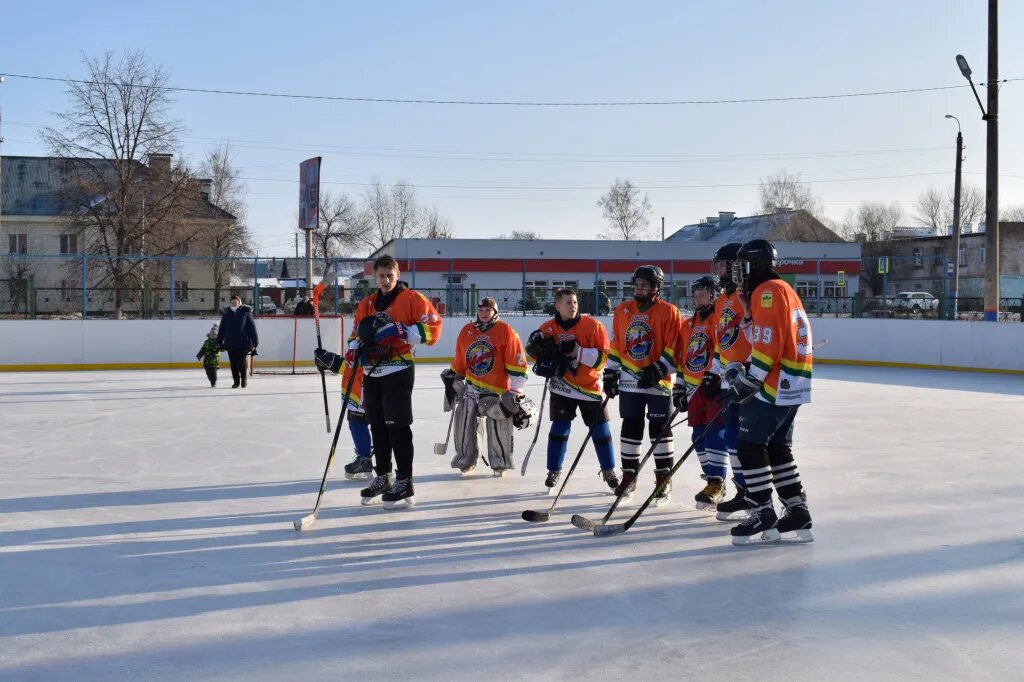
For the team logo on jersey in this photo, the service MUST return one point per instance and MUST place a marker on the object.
(480, 357)
(639, 339)
(766, 299)
(728, 329)
(698, 353)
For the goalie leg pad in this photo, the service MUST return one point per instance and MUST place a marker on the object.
(499, 444)
(467, 432)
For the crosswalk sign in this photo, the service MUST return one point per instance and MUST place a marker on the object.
(883, 265)
(841, 278)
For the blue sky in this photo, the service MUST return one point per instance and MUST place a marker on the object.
(571, 51)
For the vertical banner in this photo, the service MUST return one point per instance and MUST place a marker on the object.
(309, 194)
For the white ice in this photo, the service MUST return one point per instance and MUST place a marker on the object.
(146, 533)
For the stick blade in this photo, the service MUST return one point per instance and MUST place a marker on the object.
(609, 530)
(440, 449)
(582, 522)
(305, 523)
(536, 516)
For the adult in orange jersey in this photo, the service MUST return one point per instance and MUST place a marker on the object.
(731, 345)
(570, 351)
(773, 387)
(389, 323)
(488, 373)
(641, 369)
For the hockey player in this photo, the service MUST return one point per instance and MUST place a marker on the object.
(360, 468)
(694, 353)
(490, 365)
(570, 350)
(641, 368)
(777, 382)
(388, 325)
(731, 345)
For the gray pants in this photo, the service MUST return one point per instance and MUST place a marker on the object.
(472, 423)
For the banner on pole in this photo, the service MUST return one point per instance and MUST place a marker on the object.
(309, 194)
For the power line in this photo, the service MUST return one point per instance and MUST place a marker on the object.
(504, 103)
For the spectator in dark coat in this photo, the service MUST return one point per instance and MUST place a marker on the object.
(237, 335)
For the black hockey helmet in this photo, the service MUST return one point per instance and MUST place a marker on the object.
(709, 283)
(727, 252)
(756, 257)
(651, 273)
(725, 265)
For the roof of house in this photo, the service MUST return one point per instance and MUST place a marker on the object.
(35, 186)
(742, 228)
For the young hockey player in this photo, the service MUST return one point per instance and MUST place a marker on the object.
(641, 368)
(490, 366)
(361, 467)
(777, 382)
(570, 351)
(209, 353)
(731, 345)
(388, 325)
(694, 353)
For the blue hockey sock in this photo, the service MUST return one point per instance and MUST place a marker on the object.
(558, 443)
(360, 437)
(603, 443)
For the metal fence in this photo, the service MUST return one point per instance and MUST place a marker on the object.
(79, 286)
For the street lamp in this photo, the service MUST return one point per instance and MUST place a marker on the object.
(991, 118)
(956, 205)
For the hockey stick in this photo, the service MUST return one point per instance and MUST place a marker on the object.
(541, 516)
(536, 433)
(605, 530)
(308, 520)
(442, 448)
(327, 280)
(583, 523)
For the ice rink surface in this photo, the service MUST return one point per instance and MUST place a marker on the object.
(146, 533)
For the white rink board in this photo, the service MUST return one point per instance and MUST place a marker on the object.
(145, 533)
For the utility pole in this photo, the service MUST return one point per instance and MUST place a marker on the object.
(957, 228)
(662, 228)
(296, 244)
(992, 169)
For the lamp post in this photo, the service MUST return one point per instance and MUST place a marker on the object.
(991, 118)
(956, 213)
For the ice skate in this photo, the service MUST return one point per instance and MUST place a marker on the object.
(626, 486)
(379, 486)
(663, 488)
(401, 495)
(795, 524)
(609, 477)
(736, 508)
(758, 529)
(359, 469)
(711, 495)
(552, 480)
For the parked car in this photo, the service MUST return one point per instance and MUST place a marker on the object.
(915, 302)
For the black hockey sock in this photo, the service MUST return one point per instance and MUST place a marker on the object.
(664, 444)
(632, 437)
(785, 476)
(758, 472)
(401, 441)
(381, 448)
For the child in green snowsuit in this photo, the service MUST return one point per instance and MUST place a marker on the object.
(209, 353)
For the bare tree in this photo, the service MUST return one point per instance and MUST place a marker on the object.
(627, 212)
(521, 234)
(1012, 214)
(934, 208)
(342, 227)
(873, 225)
(225, 240)
(786, 191)
(434, 225)
(119, 116)
(16, 269)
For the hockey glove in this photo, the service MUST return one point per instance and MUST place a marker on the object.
(367, 330)
(548, 368)
(650, 375)
(199, 356)
(711, 386)
(679, 396)
(741, 383)
(327, 361)
(542, 347)
(392, 331)
(610, 379)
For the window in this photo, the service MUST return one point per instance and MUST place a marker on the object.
(535, 288)
(627, 290)
(181, 290)
(455, 280)
(564, 284)
(18, 243)
(982, 255)
(69, 243)
(806, 289)
(918, 258)
(833, 290)
(963, 256)
(939, 255)
(70, 289)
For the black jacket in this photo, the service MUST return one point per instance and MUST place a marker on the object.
(237, 329)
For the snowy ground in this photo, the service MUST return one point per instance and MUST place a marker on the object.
(146, 533)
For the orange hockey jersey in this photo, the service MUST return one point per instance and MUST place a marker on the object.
(411, 309)
(780, 334)
(641, 338)
(584, 381)
(695, 349)
(491, 360)
(731, 344)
